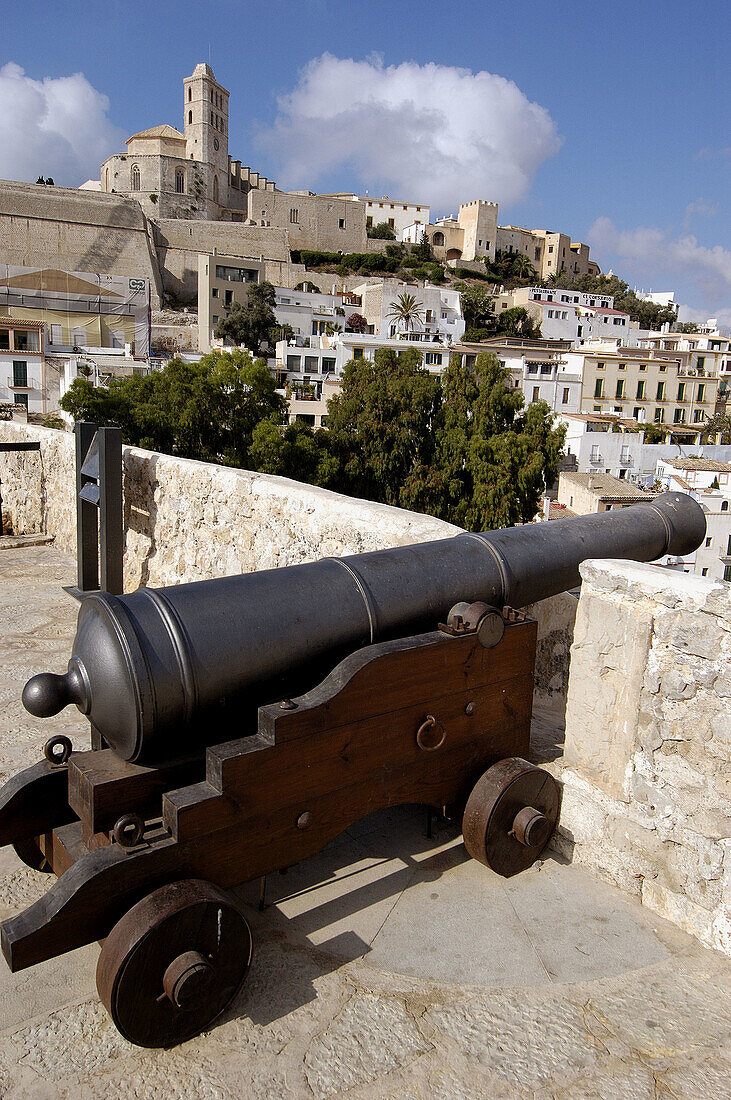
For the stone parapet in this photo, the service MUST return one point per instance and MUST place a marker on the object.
(646, 776)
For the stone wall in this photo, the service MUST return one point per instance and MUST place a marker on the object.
(646, 777)
(76, 231)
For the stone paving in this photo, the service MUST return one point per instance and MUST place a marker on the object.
(389, 967)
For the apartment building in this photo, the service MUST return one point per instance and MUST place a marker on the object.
(570, 315)
(644, 385)
(22, 364)
(706, 352)
(309, 368)
(438, 315)
(709, 482)
(539, 368)
(222, 281)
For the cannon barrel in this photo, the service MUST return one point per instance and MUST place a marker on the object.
(161, 673)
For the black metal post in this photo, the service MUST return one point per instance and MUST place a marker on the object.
(110, 510)
(87, 515)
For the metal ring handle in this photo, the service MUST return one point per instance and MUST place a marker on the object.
(428, 724)
(128, 830)
(57, 742)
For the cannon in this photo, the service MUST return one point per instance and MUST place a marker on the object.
(238, 725)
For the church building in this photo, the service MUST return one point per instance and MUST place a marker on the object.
(189, 174)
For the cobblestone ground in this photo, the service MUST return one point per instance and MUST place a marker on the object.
(388, 968)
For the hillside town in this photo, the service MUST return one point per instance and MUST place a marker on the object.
(389, 754)
(194, 230)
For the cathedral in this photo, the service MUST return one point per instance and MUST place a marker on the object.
(189, 174)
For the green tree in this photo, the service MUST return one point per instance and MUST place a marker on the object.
(406, 311)
(206, 410)
(495, 456)
(382, 428)
(522, 268)
(381, 232)
(423, 251)
(517, 322)
(356, 323)
(293, 450)
(252, 325)
(649, 315)
(478, 308)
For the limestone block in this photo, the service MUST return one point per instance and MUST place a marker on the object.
(678, 909)
(608, 660)
(691, 632)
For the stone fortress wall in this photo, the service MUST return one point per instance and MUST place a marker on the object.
(74, 230)
(645, 770)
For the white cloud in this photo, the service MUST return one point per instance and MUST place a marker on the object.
(701, 206)
(652, 252)
(690, 313)
(55, 127)
(429, 133)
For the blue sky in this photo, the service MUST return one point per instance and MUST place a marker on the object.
(607, 121)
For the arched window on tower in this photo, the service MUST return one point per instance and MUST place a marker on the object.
(134, 178)
(190, 94)
(438, 240)
(190, 117)
(106, 179)
(179, 181)
(215, 188)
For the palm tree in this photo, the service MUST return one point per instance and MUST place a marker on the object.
(522, 268)
(406, 311)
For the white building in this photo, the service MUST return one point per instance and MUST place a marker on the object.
(309, 368)
(539, 368)
(395, 213)
(709, 482)
(570, 314)
(22, 364)
(438, 317)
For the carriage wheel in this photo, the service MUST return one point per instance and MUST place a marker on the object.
(510, 816)
(173, 963)
(29, 851)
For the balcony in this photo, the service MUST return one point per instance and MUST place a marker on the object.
(625, 459)
(595, 458)
(29, 384)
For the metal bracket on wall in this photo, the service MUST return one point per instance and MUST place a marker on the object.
(99, 531)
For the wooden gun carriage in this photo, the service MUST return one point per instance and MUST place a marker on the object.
(208, 770)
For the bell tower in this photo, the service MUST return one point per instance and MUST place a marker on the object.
(206, 122)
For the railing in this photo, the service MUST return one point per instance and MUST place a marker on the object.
(29, 384)
(595, 457)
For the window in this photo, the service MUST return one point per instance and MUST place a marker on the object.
(537, 393)
(681, 391)
(438, 240)
(550, 248)
(620, 388)
(659, 416)
(214, 292)
(190, 117)
(391, 224)
(215, 319)
(663, 368)
(328, 366)
(21, 399)
(56, 335)
(229, 298)
(660, 391)
(236, 274)
(600, 366)
(709, 540)
(698, 416)
(294, 362)
(294, 216)
(357, 353)
(701, 362)
(641, 390)
(727, 573)
(622, 366)
(341, 223)
(637, 413)
(679, 416)
(190, 94)
(598, 387)
(179, 181)
(429, 316)
(20, 373)
(643, 366)
(565, 397)
(78, 337)
(433, 359)
(702, 391)
(26, 340)
(134, 178)
(704, 572)
(724, 508)
(369, 222)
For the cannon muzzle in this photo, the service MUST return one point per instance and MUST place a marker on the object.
(162, 673)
